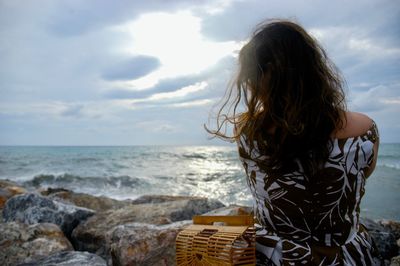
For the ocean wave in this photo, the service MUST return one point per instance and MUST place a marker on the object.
(395, 166)
(194, 156)
(69, 180)
(388, 156)
(86, 159)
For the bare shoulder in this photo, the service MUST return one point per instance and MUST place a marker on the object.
(355, 124)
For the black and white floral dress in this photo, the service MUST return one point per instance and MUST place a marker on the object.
(300, 222)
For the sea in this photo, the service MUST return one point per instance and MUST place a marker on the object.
(127, 172)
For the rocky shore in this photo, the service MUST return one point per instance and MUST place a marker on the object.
(55, 226)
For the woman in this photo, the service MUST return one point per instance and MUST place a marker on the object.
(306, 157)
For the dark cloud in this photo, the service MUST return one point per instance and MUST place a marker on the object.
(214, 74)
(217, 77)
(132, 68)
(164, 85)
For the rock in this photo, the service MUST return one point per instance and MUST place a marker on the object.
(32, 208)
(8, 192)
(8, 183)
(8, 189)
(231, 210)
(15, 190)
(395, 261)
(161, 198)
(84, 200)
(392, 226)
(90, 235)
(50, 190)
(193, 205)
(69, 258)
(21, 243)
(383, 238)
(185, 209)
(143, 244)
(4, 196)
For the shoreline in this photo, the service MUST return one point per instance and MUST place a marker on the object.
(214, 172)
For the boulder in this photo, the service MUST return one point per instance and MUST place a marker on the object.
(69, 258)
(21, 243)
(161, 198)
(193, 205)
(383, 238)
(392, 226)
(143, 244)
(4, 196)
(90, 235)
(32, 208)
(9, 189)
(185, 209)
(8, 183)
(231, 210)
(84, 200)
(395, 261)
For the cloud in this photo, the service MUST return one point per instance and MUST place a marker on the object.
(181, 93)
(66, 111)
(376, 98)
(240, 17)
(164, 85)
(132, 68)
(163, 98)
(66, 68)
(355, 41)
(216, 76)
(74, 18)
(190, 104)
(156, 126)
(74, 110)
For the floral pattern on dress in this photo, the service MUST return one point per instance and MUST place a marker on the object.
(303, 221)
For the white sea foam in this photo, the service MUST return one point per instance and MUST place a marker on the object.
(128, 172)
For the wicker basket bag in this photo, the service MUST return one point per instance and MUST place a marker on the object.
(206, 243)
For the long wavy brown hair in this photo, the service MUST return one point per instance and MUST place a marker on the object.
(287, 99)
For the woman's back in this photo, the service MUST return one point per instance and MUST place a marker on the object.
(306, 157)
(315, 219)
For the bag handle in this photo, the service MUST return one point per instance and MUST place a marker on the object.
(233, 220)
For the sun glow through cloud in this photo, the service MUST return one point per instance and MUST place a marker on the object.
(175, 39)
(180, 93)
(92, 70)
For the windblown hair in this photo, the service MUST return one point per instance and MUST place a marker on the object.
(292, 95)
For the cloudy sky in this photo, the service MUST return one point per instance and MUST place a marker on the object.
(100, 72)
